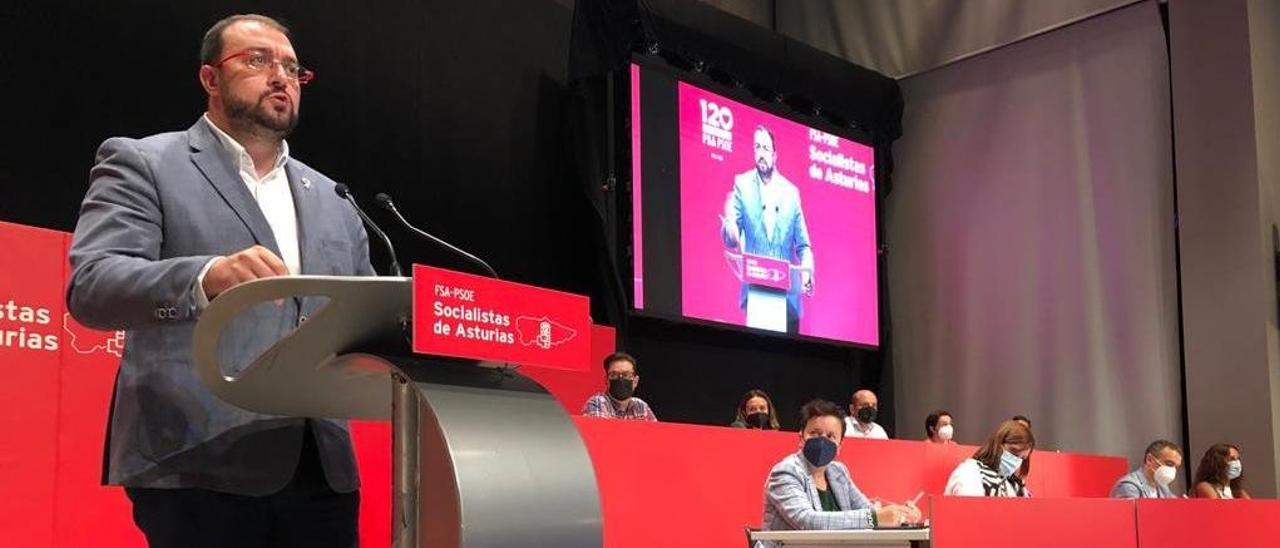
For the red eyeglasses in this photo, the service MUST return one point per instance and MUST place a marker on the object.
(259, 60)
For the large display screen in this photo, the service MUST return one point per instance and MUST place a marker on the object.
(748, 217)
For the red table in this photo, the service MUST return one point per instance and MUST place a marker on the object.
(1198, 522)
(1044, 523)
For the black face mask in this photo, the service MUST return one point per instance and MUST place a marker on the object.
(620, 389)
(867, 415)
(758, 420)
(819, 451)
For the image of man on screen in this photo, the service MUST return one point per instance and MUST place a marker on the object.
(763, 216)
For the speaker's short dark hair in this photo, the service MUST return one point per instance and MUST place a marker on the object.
(211, 46)
(1160, 445)
(623, 356)
(821, 408)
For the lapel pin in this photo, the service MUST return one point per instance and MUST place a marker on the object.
(306, 183)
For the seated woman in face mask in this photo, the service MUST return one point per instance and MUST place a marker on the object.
(809, 489)
(755, 410)
(997, 468)
(1221, 474)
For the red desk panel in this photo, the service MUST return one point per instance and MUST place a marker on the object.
(1076, 475)
(892, 470)
(1197, 522)
(680, 485)
(1044, 523)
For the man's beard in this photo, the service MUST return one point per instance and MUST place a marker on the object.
(258, 120)
(764, 172)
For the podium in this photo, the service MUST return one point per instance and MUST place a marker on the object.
(481, 455)
(768, 280)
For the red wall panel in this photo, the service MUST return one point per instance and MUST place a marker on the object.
(1201, 522)
(31, 305)
(1040, 522)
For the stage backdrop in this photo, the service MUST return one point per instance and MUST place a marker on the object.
(1031, 240)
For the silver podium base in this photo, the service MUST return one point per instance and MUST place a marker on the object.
(481, 456)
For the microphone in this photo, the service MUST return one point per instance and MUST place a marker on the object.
(386, 203)
(345, 193)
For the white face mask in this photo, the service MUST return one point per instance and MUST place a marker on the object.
(945, 432)
(1234, 469)
(1009, 464)
(1165, 474)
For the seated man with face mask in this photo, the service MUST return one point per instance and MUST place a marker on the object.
(939, 428)
(809, 489)
(623, 375)
(1151, 480)
(861, 422)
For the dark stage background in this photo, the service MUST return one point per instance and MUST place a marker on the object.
(469, 113)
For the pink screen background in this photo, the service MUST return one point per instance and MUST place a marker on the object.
(841, 221)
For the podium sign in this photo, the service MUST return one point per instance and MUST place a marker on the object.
(475, 317)
(766, 271)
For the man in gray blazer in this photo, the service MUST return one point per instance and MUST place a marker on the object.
(171, 221)
(763, 216)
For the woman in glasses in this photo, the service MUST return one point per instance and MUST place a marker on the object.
(997, 468)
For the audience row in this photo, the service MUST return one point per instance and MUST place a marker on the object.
(809, 489)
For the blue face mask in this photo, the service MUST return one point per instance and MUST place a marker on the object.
(819, 451)
(1234, 469)
(1009, 464)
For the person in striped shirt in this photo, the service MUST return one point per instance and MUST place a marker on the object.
(998, 467)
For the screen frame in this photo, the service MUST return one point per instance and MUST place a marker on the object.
(743, 95)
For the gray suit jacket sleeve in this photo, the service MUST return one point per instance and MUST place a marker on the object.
(118, 279)
(1126, 489)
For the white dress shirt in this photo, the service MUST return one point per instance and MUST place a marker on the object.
(274, 199)
(855, 429)
(770, 198)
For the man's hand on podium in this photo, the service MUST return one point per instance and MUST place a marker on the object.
(806, 278)
(244, 266)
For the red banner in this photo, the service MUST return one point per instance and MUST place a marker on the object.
(466, 316)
